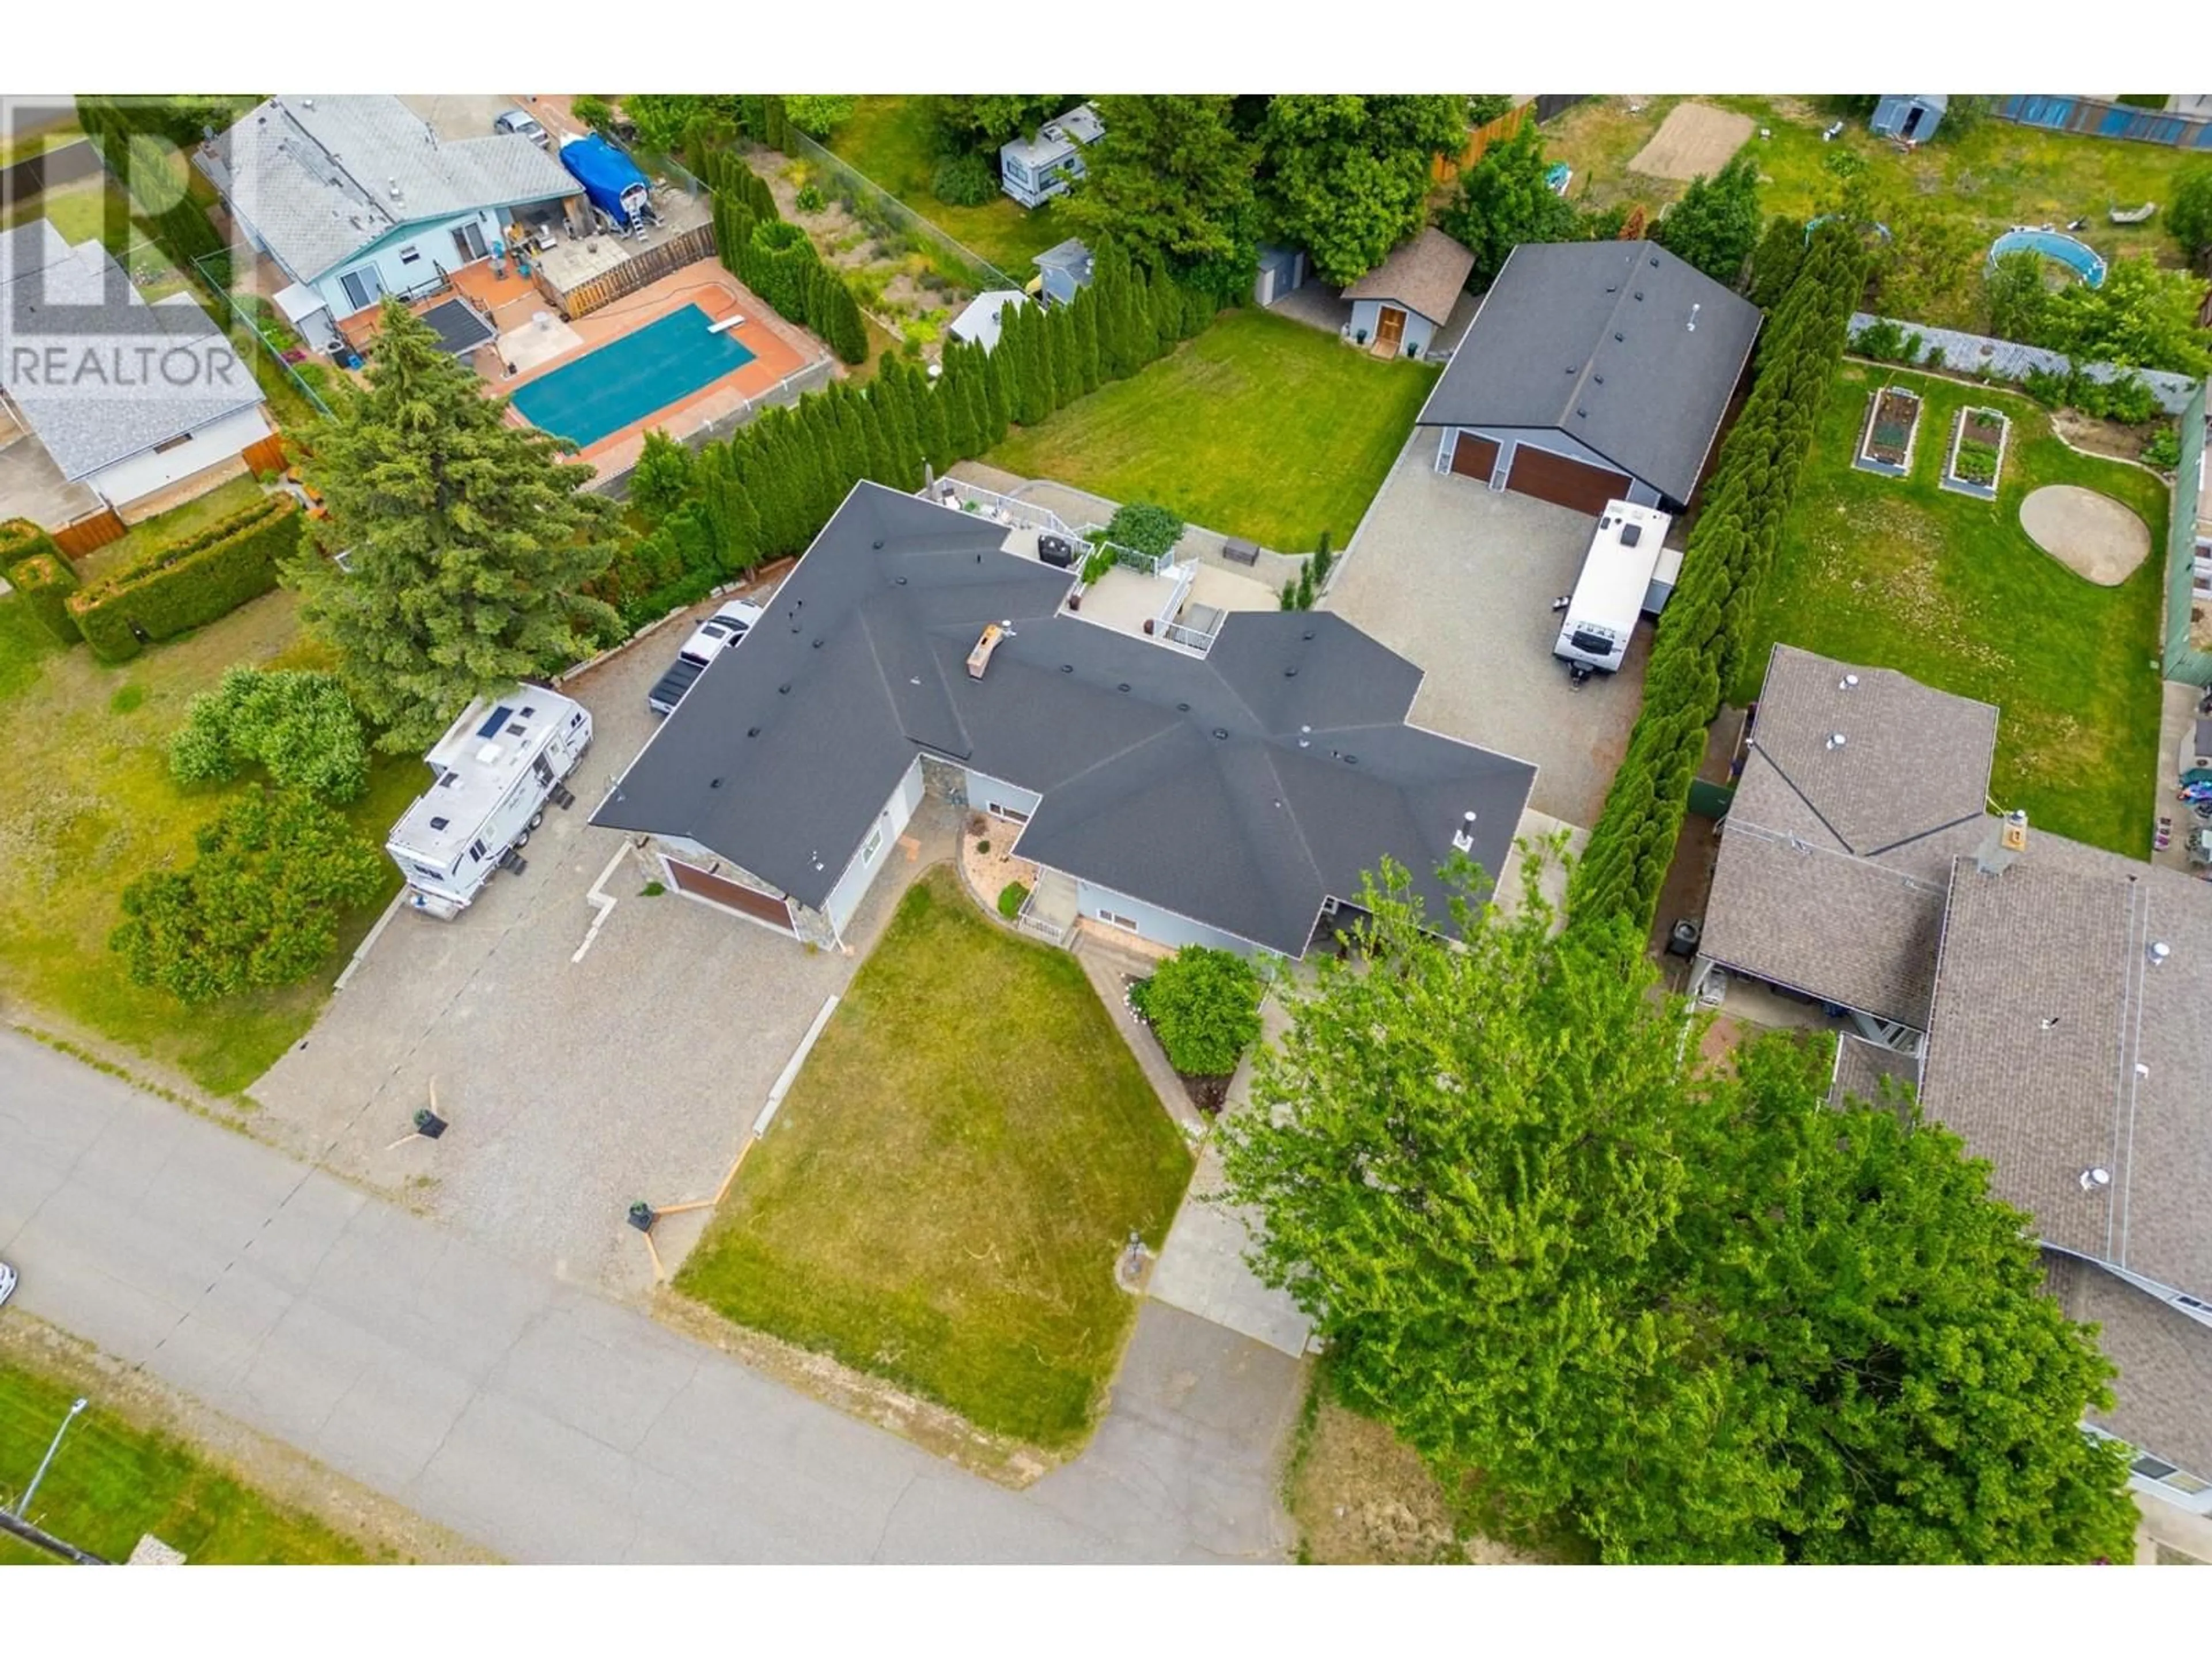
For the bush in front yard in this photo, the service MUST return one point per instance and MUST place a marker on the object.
(299, 726)
(259, 908)
(1011, 897)
(46, 582)
(190, 582)
(1204, 1006)
(964, 180)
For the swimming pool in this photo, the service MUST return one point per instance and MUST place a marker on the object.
(628, 379)
(2078, 256)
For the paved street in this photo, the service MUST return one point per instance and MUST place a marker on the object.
(539, 1421)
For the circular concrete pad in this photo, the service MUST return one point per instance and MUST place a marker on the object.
(2091, 535)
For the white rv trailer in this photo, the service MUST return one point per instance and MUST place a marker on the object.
(1617, 584)
(496, 768)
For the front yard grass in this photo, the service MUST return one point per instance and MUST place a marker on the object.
(90, 807)
(1261, 426)
(149, 536)
(113, 1481)
(943, 1193)
(1899, 573)
(889, 140)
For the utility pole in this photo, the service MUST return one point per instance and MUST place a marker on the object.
(31, 1491)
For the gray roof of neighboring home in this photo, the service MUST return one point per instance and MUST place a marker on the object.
(1834, 861)
(980, 321)
(314, 177)
(1070, 255)
(1425, 272)
(1594, 338)
(1178, 781)
(2164, 1357)
(113, 376)
(1863, 1068)
(2059, 1046)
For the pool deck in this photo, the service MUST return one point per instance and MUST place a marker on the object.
(780, 349)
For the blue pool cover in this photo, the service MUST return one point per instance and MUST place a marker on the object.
(627, 380)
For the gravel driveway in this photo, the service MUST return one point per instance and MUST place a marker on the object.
(1460, 581)
(573, 1088)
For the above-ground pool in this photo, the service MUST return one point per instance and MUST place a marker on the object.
(2077, 256)
(626, 380)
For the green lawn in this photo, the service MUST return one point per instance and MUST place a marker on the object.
(149, 536)
(91, 806)
(1996, 176)
(943, 1193)
(112, 1482)
(889, 140)
(1900, 574)
(1261, 426)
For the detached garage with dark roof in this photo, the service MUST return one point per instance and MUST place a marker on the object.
(1594, 372)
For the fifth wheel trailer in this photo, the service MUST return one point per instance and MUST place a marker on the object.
(496, 768)
(1626, 572)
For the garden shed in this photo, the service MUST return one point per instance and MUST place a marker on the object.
(1912, 116)
(1398, 306)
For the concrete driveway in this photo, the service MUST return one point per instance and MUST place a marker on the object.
(1461, 581)
(454, 115)
(573, 1088)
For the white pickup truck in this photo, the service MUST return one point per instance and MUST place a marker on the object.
(708, 640)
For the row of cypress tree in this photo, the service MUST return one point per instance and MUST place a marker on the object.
(1704, 632)
(776, 259)
(767, 490)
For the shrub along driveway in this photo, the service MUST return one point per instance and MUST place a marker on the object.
(1260, 428)
(1897, 573)
(943, 1196)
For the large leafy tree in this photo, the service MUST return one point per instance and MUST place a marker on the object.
(468, 541)
(2142, 317)
(985, 120)
(259, 908)
(1503, 201)
(1171, 181)
(1715, 222)
(293, 723)
(1205, 1004)
(1691, 1313)
(1347, 176)
(2189, 216)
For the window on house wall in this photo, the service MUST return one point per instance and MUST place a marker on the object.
(363, 288)
(1122, 922)
(411, 255)
(875, 846)
(1008, 813)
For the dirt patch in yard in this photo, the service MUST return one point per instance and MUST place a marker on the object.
(1362, 1497)
(2093, 535)
(1693, 139)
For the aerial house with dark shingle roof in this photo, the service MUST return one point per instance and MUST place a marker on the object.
(1230, 796)
(1594, 372)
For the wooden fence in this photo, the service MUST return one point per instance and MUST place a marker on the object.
(1443, 169)
(94, 531)
(650, 266)
(267, 456)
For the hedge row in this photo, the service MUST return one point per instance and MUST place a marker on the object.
(46, 582)
(1705, 631)
(188, 583)
(160, 129)
(776, 260)
(767, 490)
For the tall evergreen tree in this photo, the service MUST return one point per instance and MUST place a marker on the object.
(468, 541)
(1171, 180)
(1715, 222)
(1085, 313)
(1347, 176)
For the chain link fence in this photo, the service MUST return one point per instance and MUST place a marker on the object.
(890, 218)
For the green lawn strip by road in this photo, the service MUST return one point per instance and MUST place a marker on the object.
(1900, 574)
(1261, 426)
(891, 141)
(943, 1194)
(111, 1482)
(90, 806)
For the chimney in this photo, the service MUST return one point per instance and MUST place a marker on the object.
(2005, 841)
(980, 659)
(1463, 837)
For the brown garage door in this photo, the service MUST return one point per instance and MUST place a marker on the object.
(1563, 481)
(735, 895)
(1474, 456)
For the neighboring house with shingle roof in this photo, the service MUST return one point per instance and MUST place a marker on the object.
(2054, 999)
(355, 196)
(1594, 371)
(1400, 304)
(1229, 797)
(1859, 787)
(139, 404)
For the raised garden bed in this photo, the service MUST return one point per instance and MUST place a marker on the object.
(1976, 457)
(1892, 424)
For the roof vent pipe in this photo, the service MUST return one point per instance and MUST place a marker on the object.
(1835, 740)
(1693, 318)
(1848, 682)
(2160, 950)
(2096, 1180)
(1463, 837)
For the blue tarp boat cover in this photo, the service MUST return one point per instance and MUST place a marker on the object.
(607, 176)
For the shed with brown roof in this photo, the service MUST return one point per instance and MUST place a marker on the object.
(1398, 306)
